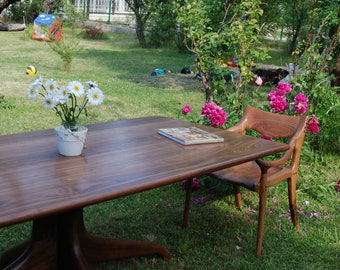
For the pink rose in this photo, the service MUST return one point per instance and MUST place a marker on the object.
(272, 94)
(313, 124)
(283, 88)
(186, 109)
(218, 118)
(207, 108)
(300, 103)
(259, 81)
(278, 103)
(214, 113)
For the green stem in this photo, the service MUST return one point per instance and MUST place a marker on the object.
(82, 106)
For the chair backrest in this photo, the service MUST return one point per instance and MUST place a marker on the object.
(274, 125)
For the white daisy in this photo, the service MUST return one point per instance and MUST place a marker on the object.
(38, 81)
(48, 102)
(33, 91)
(95, 96)
(76, 88)
(63, 95)
(51, 87)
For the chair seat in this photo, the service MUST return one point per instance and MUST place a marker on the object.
(248, 175)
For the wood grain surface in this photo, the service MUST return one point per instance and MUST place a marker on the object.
(123, 157)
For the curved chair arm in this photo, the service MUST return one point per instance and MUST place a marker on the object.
(240, 127)
(277, 162)
(293, 153)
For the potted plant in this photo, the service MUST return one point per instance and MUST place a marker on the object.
(68, 103)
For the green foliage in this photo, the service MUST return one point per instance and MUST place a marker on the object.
(67, 50)
(27, 9)
(16, 12)
(295, 20)
(325, 104)
(215, 32)
(163, 29)
(73, 17)
(292, 17)
(27, 33)
(244, 34)
(312, 58)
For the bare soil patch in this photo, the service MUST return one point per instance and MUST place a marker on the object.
(172, 81)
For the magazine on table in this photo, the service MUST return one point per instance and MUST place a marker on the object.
(190, 135)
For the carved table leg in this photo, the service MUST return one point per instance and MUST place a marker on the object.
(10, 255)
(38, 253)
(101, 249)
(62, 242)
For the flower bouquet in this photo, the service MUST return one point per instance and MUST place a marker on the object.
(68, 103)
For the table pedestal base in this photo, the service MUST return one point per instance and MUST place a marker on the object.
(62, 242)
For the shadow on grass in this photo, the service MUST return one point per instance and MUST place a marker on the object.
(123, 65)
(218, 235)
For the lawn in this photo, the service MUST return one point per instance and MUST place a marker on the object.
(218, 236)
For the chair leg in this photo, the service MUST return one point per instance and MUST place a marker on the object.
(238, 196)
(292, 200)
(187, 204)
(260, 228)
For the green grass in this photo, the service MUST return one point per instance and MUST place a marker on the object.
(278, 52)
(120, 67)
(216, 228)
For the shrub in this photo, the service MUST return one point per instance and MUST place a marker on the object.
(94, 33)
(312, 58)
(66, 50)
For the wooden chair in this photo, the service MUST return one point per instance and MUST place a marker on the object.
(258, 175)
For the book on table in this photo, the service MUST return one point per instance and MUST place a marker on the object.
(190, 135)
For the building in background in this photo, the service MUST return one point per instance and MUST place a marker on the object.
(106, 10)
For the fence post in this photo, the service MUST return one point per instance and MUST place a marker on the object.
(110, 8)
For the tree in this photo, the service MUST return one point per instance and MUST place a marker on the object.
(142, 10)
(47, 5)
(28, 9)
(163, 28)
(315, 55)
(296, 16)
(216, 31)
(5, 3)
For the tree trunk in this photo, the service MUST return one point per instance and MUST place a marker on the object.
(207, 87)
(336, 72)
(46, 6)
(140, 31)
(296, 33)
(4, 4)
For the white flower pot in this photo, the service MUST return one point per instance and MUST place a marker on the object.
(70, 143)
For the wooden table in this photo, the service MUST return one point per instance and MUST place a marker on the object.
(123, 157)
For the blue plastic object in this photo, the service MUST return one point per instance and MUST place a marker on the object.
(158, 71)
(44, 20)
